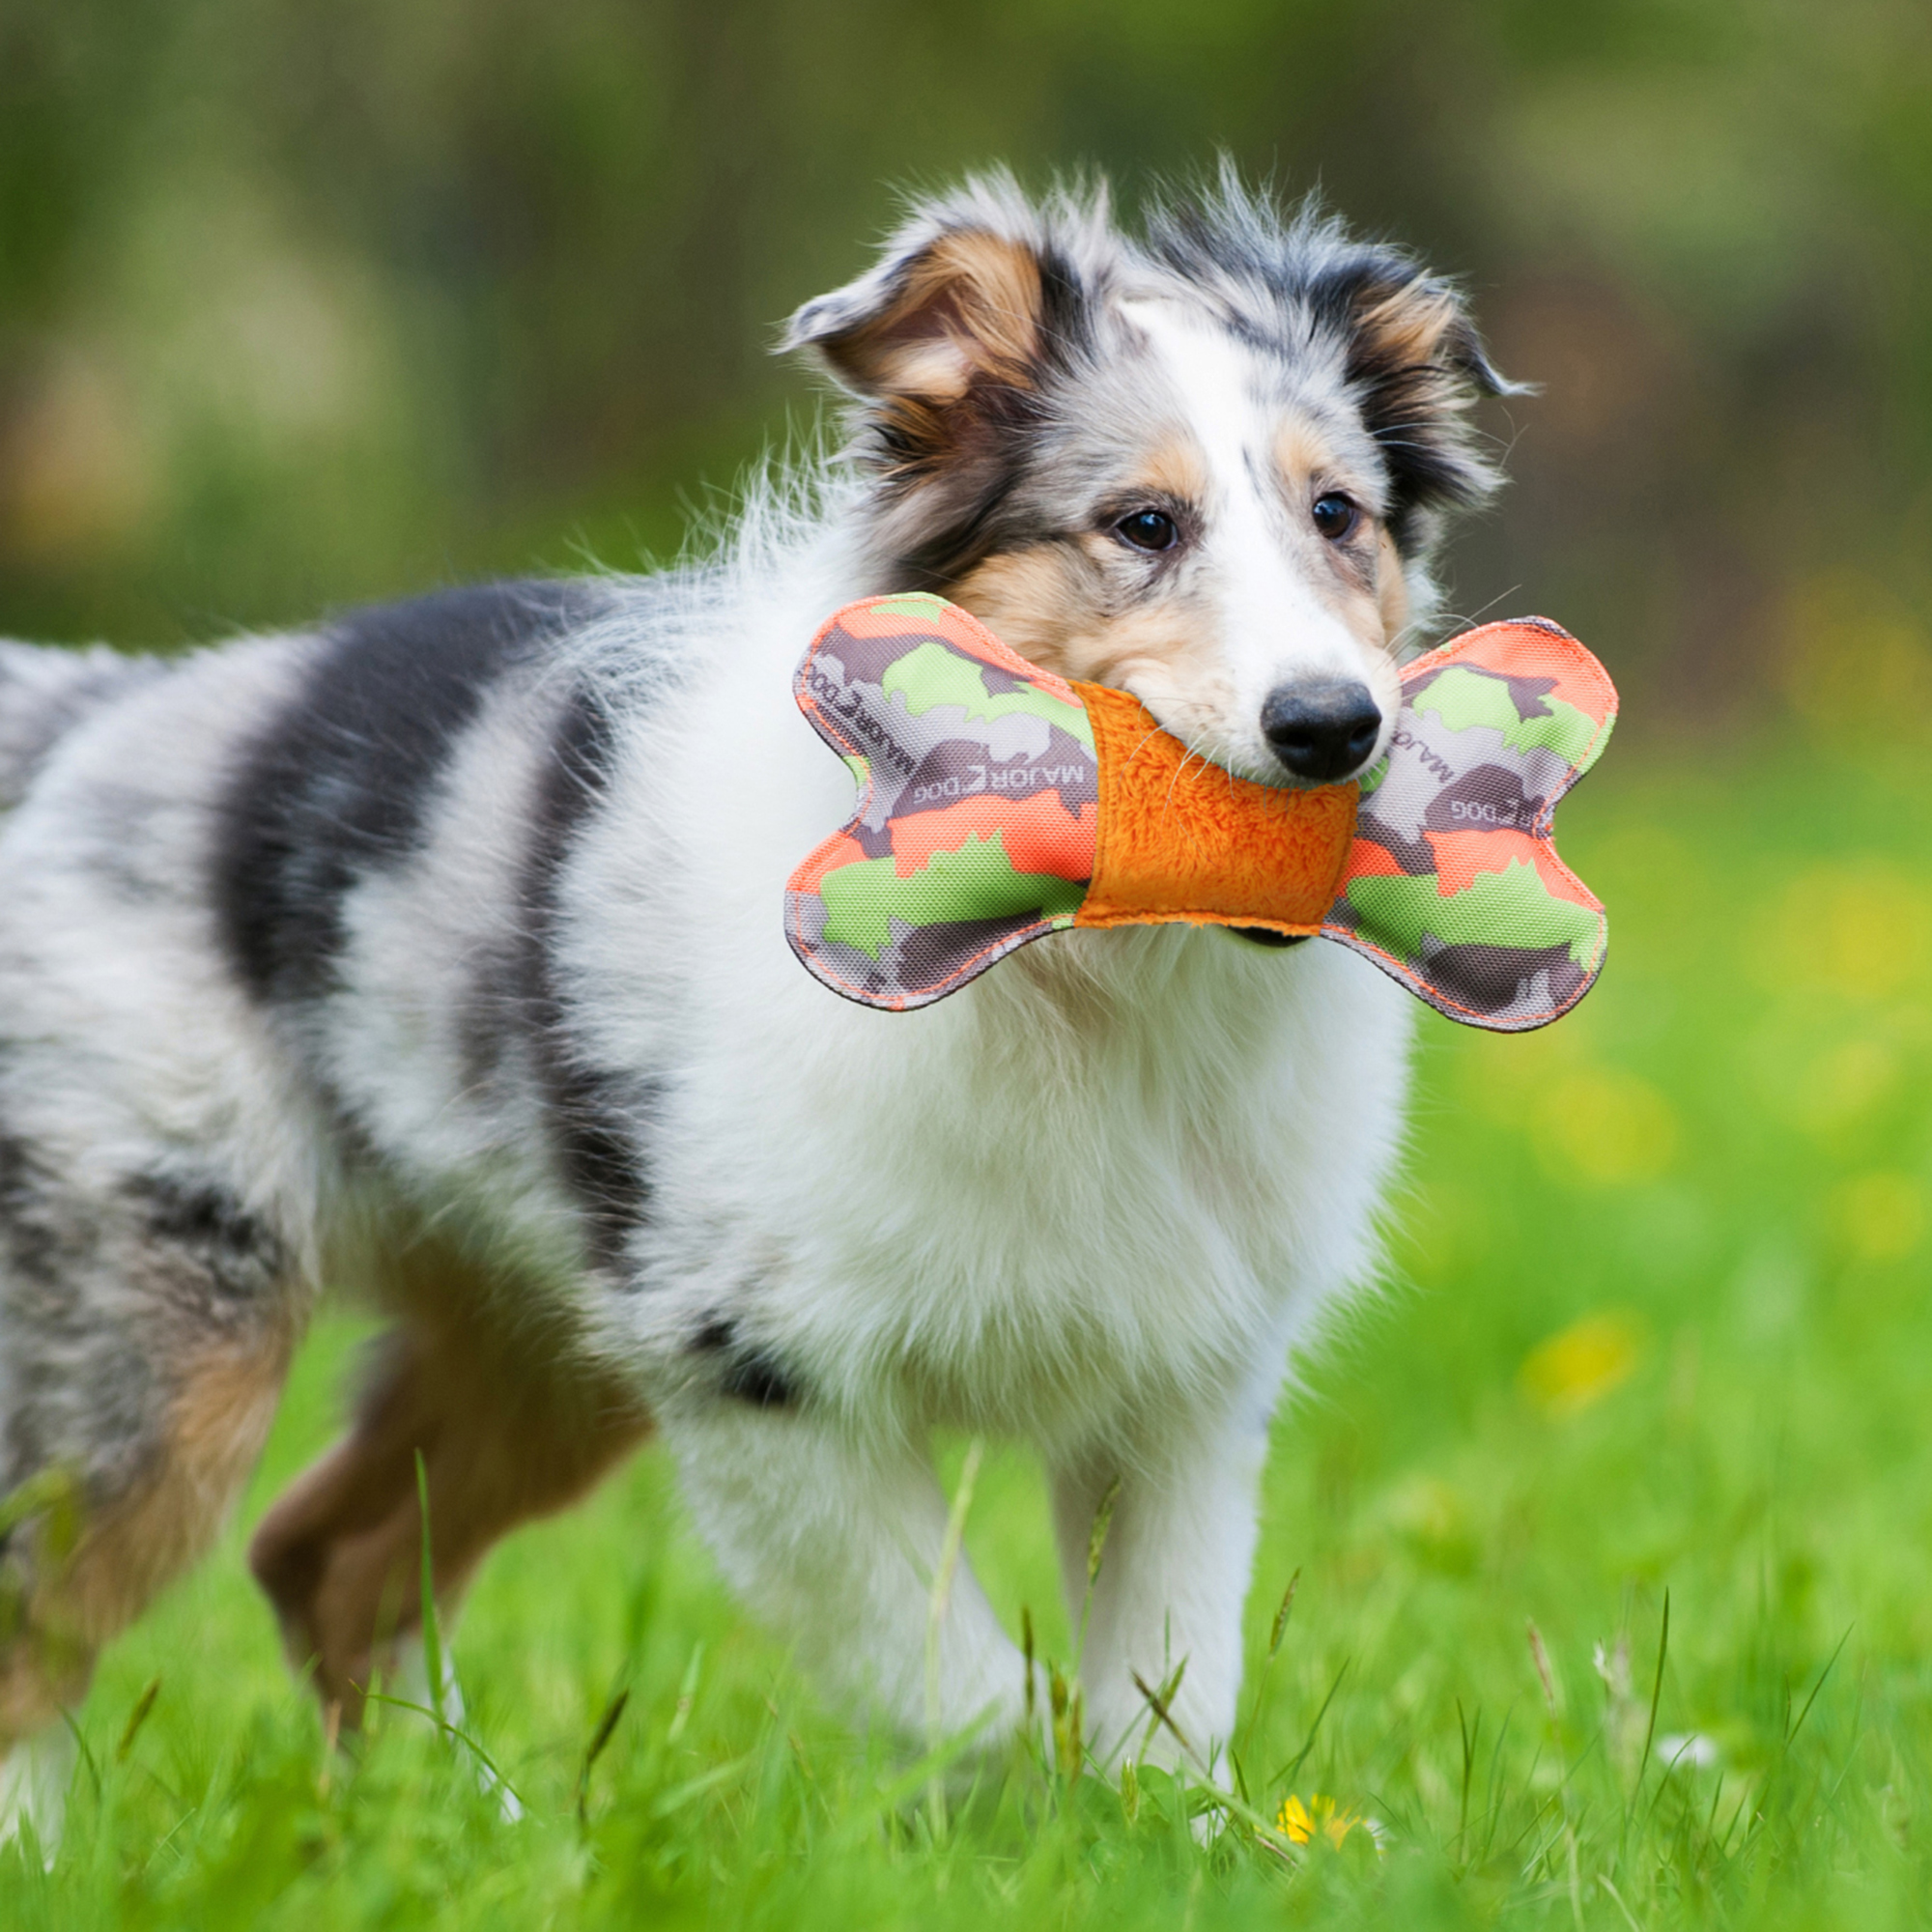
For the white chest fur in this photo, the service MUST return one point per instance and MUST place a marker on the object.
(1123, 1168)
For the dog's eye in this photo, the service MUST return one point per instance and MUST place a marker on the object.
(1334, 516)
(1148, 529)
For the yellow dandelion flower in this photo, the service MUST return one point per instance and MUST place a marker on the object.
(1299, 1823)
(1578, 1366)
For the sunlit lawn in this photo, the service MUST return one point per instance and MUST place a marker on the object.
(1658, 1325)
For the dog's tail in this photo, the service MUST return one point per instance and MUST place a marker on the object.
(43, 694)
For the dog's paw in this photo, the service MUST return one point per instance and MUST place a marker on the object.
(34, 1777)
(412, 1687)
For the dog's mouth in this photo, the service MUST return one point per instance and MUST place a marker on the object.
(1260, 935)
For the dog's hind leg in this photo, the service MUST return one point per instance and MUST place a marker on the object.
(510, 1423)
(147, 1329)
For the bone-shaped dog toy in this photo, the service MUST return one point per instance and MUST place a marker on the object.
(999, 802)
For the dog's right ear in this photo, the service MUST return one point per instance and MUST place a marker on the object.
(945, 335)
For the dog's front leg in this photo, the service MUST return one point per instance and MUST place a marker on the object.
(837, 1546)
(1174, 1575)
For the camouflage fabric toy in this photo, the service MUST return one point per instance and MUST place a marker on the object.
(998, 802)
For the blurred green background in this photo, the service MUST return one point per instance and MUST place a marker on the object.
(307, 304)
(302, 305)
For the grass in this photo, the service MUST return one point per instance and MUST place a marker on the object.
(1658, 1334)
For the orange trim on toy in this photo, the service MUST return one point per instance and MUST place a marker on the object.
(1182, 839)
(1040, 834)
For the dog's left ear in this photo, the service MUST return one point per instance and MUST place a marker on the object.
(1418, 365)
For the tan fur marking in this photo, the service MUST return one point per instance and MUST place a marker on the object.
(510, 1427)
(1178, 634)
(1037, 602)
(1391, 590)
(993, 287)
(1301, 454)
(217, 1422)
(1174, 469)
(970, 304)
(39, 1671)
(1048, 602)
(1049, 605)
(1411, 322)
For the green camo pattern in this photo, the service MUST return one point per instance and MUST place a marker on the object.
(975, 881)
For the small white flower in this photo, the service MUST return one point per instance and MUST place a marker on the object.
(1686, 1750)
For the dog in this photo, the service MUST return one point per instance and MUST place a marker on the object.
(438, 950)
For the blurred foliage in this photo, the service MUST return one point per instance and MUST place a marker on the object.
(302, 304)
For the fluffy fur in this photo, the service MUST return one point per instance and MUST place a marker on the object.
(438, 950)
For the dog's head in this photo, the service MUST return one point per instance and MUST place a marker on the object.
(1207, 466)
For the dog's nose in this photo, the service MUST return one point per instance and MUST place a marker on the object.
(1322, 732)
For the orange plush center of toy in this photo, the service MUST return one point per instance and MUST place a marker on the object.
(1181, 839)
